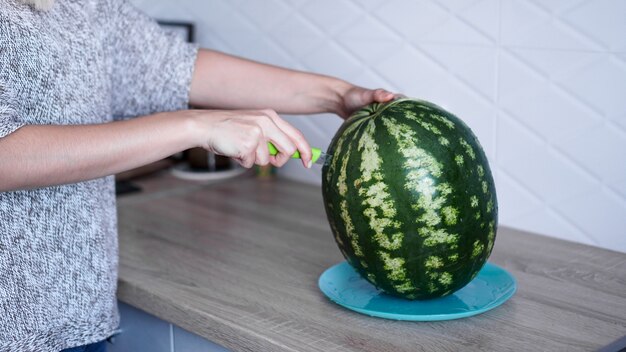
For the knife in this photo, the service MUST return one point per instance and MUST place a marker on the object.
(319, 157)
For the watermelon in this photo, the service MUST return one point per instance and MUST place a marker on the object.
(410, 198)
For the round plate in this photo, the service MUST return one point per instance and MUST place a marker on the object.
(489, 289)
(184, 171)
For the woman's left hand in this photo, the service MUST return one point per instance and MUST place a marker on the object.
(357, 97)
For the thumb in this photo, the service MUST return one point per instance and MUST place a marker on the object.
(381, 95)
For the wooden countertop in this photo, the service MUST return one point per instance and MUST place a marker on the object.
(238, 262)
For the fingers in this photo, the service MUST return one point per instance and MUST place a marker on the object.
(281, 159)
(381, 95)
(296, 137)
(357, 97)
(262, 154)
(286, 138)
(246, 160)
(249, 153)
(243, 136)
(273, 133)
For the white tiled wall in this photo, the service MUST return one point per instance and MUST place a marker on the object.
(542, 83)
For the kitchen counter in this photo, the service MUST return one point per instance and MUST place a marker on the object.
(237, 263)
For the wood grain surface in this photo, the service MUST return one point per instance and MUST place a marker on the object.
(238, 263)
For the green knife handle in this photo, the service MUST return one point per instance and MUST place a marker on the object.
(315, 151)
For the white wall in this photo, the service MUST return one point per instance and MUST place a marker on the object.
(542, 84)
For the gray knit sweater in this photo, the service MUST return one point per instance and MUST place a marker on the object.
(82, 62)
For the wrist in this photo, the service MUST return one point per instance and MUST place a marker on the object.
(337, 90)
(191, 125)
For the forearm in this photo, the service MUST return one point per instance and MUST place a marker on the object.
(227, 82)
(43, 155)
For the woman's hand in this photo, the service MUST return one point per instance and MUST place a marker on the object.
(356, 97)
(243, 136)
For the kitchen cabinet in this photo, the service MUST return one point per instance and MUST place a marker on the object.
(141, 331)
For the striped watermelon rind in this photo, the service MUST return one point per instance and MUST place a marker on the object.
(410, 198)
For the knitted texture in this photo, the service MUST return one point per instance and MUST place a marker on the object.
(82, 62)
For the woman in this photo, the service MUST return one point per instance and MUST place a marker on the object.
(72, 74)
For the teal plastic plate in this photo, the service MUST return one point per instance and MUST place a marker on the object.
(489, 289)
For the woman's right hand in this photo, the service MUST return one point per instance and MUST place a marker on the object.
(243, 135)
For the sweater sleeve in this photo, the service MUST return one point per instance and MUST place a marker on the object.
(9, 122)
(151, 70)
